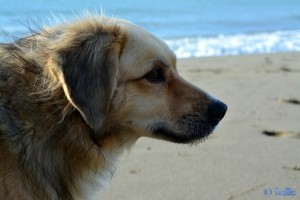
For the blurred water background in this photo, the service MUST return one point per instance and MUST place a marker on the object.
(192, 28)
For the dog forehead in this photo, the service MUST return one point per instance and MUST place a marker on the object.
(142, 51)
(138, 35)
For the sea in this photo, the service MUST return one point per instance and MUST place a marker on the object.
(192, 28)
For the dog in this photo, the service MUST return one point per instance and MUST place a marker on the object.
(74, 96)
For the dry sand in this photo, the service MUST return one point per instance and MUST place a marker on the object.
(238, 161)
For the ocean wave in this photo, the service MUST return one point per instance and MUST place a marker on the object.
(220, 45)
(272, 42)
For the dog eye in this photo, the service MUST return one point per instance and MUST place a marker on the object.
(156, 75)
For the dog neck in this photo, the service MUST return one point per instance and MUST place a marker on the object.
(109, 148)
(65, 154)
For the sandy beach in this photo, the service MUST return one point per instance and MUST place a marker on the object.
(254, 148)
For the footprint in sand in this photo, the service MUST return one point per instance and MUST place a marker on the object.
(291, 101)
(282, 134)
(134, 171)
(294, 168)
(285, 134)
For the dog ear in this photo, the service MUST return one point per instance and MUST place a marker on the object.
(89, 69)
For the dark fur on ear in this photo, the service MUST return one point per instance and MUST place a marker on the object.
(89, 59)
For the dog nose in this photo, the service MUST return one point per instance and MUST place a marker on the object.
(217, 110)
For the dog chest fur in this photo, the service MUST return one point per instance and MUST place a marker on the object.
(93, 182)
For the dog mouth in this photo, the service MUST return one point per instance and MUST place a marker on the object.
(190, 129)
(166, 133)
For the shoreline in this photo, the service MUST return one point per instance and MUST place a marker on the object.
(254, 148)
(244, 55)
(255, 57)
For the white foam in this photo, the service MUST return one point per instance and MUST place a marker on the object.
(186, 47)
(280, 41)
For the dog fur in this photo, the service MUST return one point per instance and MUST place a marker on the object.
(75, 96)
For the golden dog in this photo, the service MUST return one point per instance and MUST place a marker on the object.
(74, 96)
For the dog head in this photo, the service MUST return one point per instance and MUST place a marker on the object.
(123, 79)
